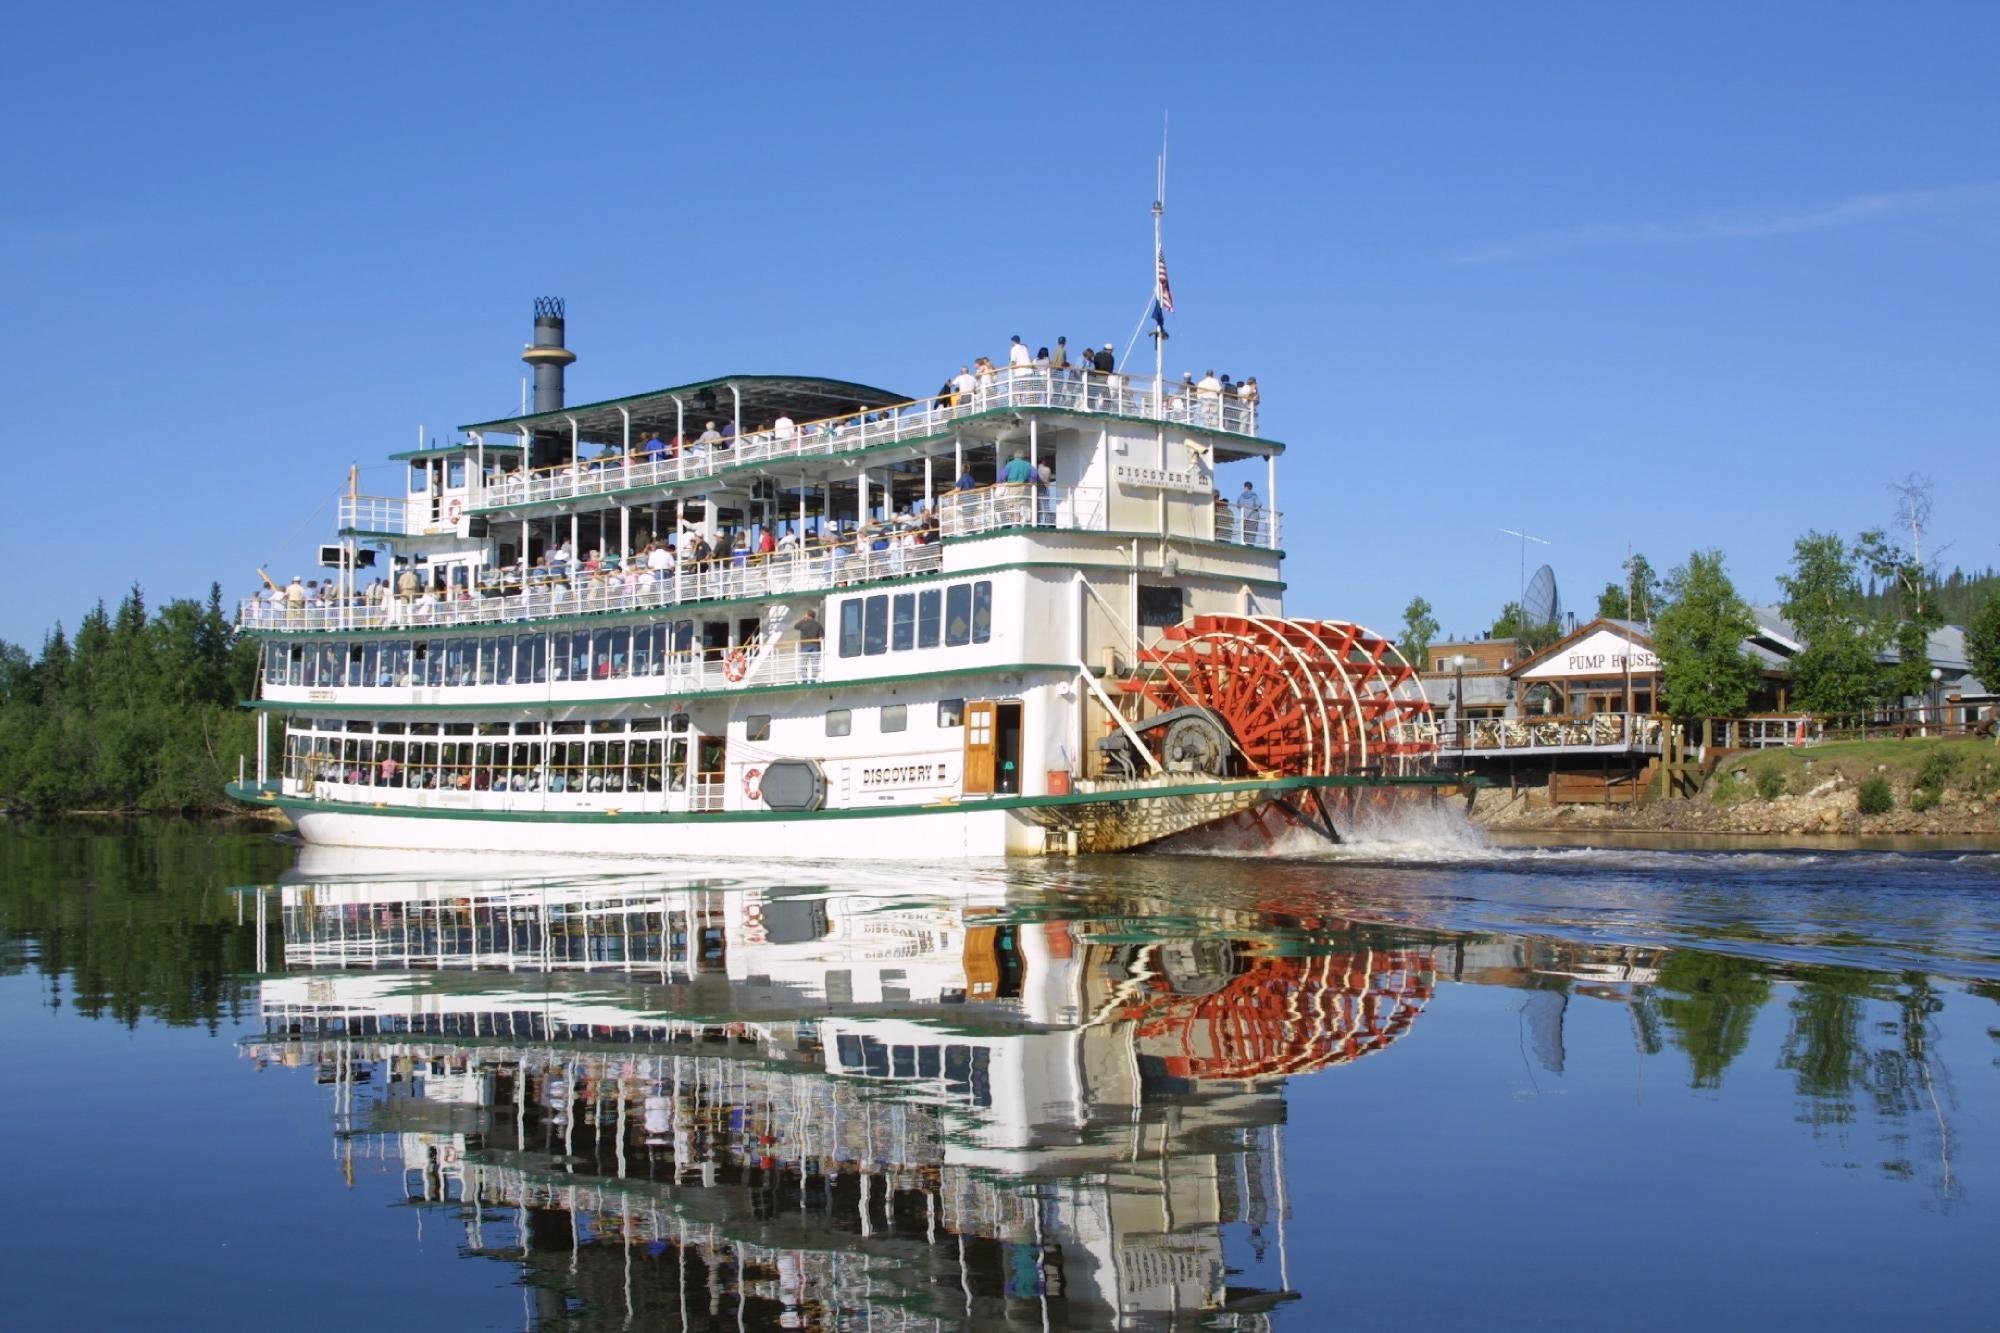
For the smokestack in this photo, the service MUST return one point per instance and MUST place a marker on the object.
(547, 354)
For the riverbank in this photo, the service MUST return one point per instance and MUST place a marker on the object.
(1858, 788)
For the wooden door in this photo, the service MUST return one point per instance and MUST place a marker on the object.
(980, 716)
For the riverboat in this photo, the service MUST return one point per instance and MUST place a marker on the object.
(792, 616)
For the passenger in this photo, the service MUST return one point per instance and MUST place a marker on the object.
(1059, 359)
(1018, 356)
(710, 438)
(1043, 361)
(966, 481)
(811, 633)
(1249, 515)
(655, 448)
(964, 383)
(782, 429)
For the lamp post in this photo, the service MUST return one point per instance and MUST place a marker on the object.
(1937, 706)
(1458, 697)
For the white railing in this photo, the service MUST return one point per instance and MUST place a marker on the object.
(1611, 731)
(560, 594)
(374, 513)
(1063, 390)
(709, 794)
(1026, 505)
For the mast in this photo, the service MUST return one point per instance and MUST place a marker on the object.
(1162, 298)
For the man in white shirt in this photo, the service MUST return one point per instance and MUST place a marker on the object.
(963, 383)
(1249, 515)
(1018, 354)
(782, 428)
(660, 562)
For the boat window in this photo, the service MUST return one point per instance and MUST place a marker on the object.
(982, 611)
(677, 722)
(420, 477)
(895, 717)
(1159, 607)
(903, 622)
(951, 712)
(757, 727)
(875, 633)
(930, 606)
(839, 722)
(455, 475)
(850, 627)
(958, 615)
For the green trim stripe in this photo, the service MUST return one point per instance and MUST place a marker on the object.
(250, 793)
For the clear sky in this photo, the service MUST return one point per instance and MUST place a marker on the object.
(1660, 276)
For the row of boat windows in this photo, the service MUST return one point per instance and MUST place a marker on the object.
(756, 726)
(956, 615)
(617, 653)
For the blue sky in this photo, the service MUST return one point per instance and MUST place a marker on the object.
(1665, 277)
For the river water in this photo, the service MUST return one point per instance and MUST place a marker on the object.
(1420, 1081)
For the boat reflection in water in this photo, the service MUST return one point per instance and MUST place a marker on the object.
(675, 1099)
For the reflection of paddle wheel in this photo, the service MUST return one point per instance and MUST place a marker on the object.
(1284, 1015)
(1298, 697)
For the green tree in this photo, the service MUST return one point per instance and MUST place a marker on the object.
(1642, 585)
(1704, 671)
(1982, 641)
(1419, 628)
(1837, 671)
(1508, 625)
(1913, 610)
(1710, 1001)
(1614, 603)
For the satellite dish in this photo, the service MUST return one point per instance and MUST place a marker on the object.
(1542, 604)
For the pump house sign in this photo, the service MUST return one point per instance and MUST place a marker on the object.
(1606, 652)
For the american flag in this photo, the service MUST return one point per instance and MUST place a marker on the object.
(1166, 290)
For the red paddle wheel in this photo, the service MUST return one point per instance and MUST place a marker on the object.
(1299, 697)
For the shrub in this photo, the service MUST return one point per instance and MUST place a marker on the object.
(1938, 767)
(1925, 798)
(1770, 784)
(1874, 797)
(1726, 789)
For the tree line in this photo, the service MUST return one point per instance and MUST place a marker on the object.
(1865, 609)
(136, 712)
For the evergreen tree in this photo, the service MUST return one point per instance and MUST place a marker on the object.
(1704, 671)
(1613, 603)
(1982, 641)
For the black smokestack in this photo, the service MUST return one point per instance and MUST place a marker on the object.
(547, 354)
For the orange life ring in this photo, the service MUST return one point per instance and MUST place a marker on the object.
(736, 666)
(753, 783)
(454, 511)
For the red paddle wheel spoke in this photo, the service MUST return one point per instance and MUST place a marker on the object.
(1299, 697)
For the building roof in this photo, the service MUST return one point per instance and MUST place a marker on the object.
(765, 398)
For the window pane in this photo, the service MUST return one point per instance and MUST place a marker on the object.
(895, 717)
(850, 627)
(839, 722)
(875, 636)
(903, 622)
(951, 712)
(982, 611)
(757, 727)
(930, 607)
(958, 615)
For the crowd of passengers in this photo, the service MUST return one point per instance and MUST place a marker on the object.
(1092, 378)
(420, 590)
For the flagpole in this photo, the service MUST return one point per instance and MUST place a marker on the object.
(1159, 331)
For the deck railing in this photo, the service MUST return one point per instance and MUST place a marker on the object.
(374, 513)
(1604, 731)
(1018, 389)
(563, 594)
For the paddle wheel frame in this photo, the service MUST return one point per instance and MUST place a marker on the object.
(1300, 698)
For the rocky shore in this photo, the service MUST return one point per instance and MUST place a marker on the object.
(1821, 791)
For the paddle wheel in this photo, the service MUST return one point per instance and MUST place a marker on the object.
(1314, 698)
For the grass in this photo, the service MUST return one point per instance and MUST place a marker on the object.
(1971, 764)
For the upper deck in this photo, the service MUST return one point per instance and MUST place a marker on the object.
(480, 516)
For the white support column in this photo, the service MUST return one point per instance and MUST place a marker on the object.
(930, 490)
(680, 557)
(626, 418)
(624, 534)
(1271, 501)
(575, 441)
(1034, 444)
(737, 408)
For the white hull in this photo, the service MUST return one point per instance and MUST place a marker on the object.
(942, 835)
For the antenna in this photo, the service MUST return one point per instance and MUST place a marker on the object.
(1525, 537)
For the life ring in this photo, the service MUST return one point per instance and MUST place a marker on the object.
(736, 666)
(453, 511)
(753, 784)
